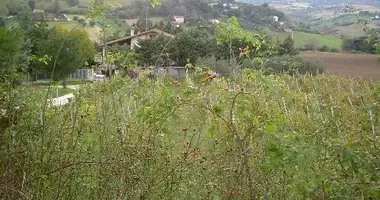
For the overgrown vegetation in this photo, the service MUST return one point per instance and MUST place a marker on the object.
(271, 128)
(248, 137)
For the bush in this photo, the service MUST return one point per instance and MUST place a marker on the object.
(293, 65)
(222, 67)
(82, 21)
(92, 23)
(324, 48)
(75, 18)
(310, 46)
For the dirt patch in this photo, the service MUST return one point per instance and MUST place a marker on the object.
(354, 65)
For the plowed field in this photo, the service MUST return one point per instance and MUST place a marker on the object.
(354, 65)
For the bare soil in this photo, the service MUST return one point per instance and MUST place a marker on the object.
(353, 65)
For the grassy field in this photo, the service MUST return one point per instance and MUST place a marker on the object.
(95, 33)
(353, 65)
(242, 137)
(301, 39)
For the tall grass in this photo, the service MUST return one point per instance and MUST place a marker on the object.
(247, 137)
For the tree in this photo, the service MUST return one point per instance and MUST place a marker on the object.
(123, 57)
(2, 22)
(190, 45)
(69, 50)
(57, 7)
(73, 2)
(287, 47)
(152, 52)
(14, 7)
(10, 50)
(32, 4)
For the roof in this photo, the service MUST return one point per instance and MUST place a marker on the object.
(157, 31)
(131, 21)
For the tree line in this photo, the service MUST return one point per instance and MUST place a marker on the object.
(37, 49)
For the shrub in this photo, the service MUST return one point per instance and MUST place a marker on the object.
(75, 18)
(324, 48)
(92, 23)
(293, 65)
(82, 21)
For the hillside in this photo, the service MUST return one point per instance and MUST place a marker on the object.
(254, 16)
(313, 41)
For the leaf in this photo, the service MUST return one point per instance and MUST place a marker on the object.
(271, 128)
(217, 109)
(155, 3)
(212, 131)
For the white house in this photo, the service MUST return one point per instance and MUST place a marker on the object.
(275, 18)
(179, 19)
(215, 21)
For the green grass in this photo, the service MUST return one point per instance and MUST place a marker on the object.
(243, 137)
(54, 90)
(301, 39)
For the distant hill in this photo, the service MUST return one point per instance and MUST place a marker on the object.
(369, 2)
(14, 6)
(251, 16)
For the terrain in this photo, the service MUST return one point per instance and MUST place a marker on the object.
(352, 65)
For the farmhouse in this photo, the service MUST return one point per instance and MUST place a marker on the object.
(133, 39)
(179, 19)
(131, 22)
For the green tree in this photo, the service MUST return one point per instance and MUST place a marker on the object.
(190, 45)
(123, 57)
(32, 4)
(69, 51)
(2, 22)
(14, 7)
(287, 47)
(10, 51)
(152, 52)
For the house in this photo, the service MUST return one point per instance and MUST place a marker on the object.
(133, 39)
(275, 18)
(234, 7)
(215, 21)
(131, 22)
(179, 19)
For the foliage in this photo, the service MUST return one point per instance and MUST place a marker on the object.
(292, 65)
(190, 45)
(14, 7)
(68, 49)
(247, 137)
(10, 53)
(123, 57)
(32, 4)
(287, 47)
(361, 44)
(153, 52)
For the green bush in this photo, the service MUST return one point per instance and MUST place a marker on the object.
(75, 18)
(92, 23)
(324, 48)
(293, 65)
